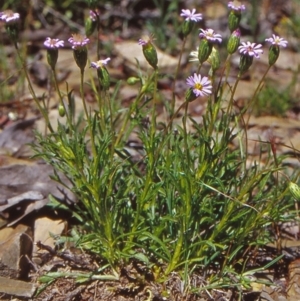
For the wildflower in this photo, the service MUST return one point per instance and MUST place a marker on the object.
(235, 15)
(274, 50)
(9, 16)
(190, 19)
(276, 40)
(100, 63)
(78, 40)
(52, 46)
(201, 86)
(190, 15)
(205, 47)
(250, 49)
(234, 41)
(210, 35)
(53, 43)
(149, 51)
(11, 19)
(103, 75)
(236, 5)
(79, 43)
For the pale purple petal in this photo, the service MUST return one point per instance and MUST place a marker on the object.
(210, 35)
(9, 16)
(201, 85)
(250, 49)
(53, 43)
(100, 63)
(276, 40)
(190, 15)
(236, 5)
(78, 40)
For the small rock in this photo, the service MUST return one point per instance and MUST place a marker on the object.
(294, 283)
(16, 244)
(45, 230)
(16, 287)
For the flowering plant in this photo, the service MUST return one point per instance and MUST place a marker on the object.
(184, 201)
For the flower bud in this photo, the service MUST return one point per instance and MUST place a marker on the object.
(80, 56)
(245, 62)
(294, 190)
(274, 52)
(189, 95)
(234, 41)
(90, 26)
(12, 30)
(234, 19)
(150, 54)
(214, 59)
(133, 80)
(187, 27)
(104, 77)
(61, 110)
(52, 55)
(204, 51)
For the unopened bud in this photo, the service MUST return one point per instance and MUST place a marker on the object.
(150, 54)
(189, 95)
(245, 62)
(90, 26)
(234, 41)
(80, 56)
(61, 110)
(214, 59)
(187, 27)
(133, 80)
(294, 190)
(234, 19)
(204, 51)
(103, 77)
(52, 55)
(274, 52)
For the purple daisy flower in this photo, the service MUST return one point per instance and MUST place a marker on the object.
(210, 35)
(251, 49)
(276, 40)
(190, 15)
(236, 5)
(78, 40)
(100, 63)
(9, 16)
(201, 85)
(53, 43)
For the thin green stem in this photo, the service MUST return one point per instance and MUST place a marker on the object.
(230, 104)
(60, 96)
(31, 90)
(88, 117)
(176, 75)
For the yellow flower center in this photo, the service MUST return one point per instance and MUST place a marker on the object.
(198, 86)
